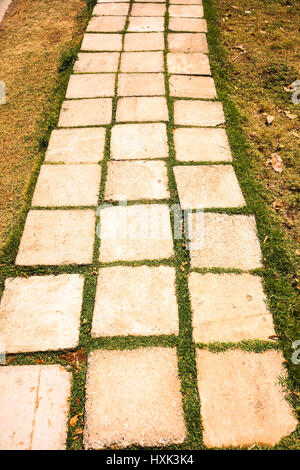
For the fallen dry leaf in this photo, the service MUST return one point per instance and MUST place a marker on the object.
(73, 421)
(276, 162)
(269, 119)
(290, 116)
(78, 431)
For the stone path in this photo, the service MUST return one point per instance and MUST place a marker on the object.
(140, 124)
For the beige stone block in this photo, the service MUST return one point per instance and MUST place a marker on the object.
(93, 62)
(144, 42)
(242, 402)
(137, 232)
(142, 108)
(142, 62)
(187, 42)
(225, 241)
(146, 406)
(110, 1)
(139, 141)
(106, 24)
(41, 313)
(89, 112)
(111, 9)
(143, 302)
(147, 23)
(201, 145)
(229, 307)
(148, 9)
(57, 237)
(186, 2)
(186, 11)
(34, 407)
(187, 86)
(184, 63)
(193, 25)
(101, 42)
(91, 85)
(198, 113)
(141, 84)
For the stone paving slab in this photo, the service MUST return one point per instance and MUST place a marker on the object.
(142, 62)
(91, 85)
(142, 108)
(141, 84)
(187, 42)
(57, 237)
(110, 1)
(201, 145)
(185, 2)
(136, 180)
(229, 307)
(41, 313)
(138, 232)
(148, 9)
(144, 42)
(242, 402)
(34, 407)
(139, 141)
(145, 407)
(111, 9)
(186, 86)
(193, 25)
(67, 185)
(90, 62)
(186, 11)
(184, 63)
(76, 145)
(208, 186)
(143, 302)
(104, 24)
(225, 241)
(101, 42)
(198, 113)
(147, 23)
(88, 112)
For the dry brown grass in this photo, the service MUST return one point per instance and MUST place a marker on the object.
(32, 36)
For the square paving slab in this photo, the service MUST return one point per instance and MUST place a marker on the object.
(41, 313)
(109, 1)
(148, 9)
(242, 402)
(67, 185)
(91, 85)
(143, 302)
(106, 24)
(90, 112)
(138, 232)
(136, 180)
(147, 23)
(90, 62)
(144, 42)
(225, 241)
(187, 42)
(186, 2)
(184, 63)
(202, 145)
(111, 9)
(139, 141)
(145, 407)
(142, 62)
(208, 186)
(141, 84)
(57, 237)
(76, 145)
(186, 86)
(34, 407)
(142, 108)
(198, 113)
(194, 25)
(229, 307)
(101, 42)
(182, 11)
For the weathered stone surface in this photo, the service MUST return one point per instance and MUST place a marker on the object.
(187, 42)
(41, 313)
(90, 62)
(34, 407)
(222, 240)
(57, 237)
(89, 112)
(198, 113)
(143, 302)
(193, 25)
(101, 42)
(147, 23)
(202, 145)
(242, 402)
(67, 185)
(183, 11)
(145, 407)
(184, 2)
(141, 84)
(142, 62)
(106, 24)
(229, 307)
(84, 145)
(204, 186)
(137, 232)
(184, 63)
(110, 1)
(139, 141)
(187, 86)
(144, 42)
(111, 9)
(136, 180)
(148, 9)
(142, 108)
(91, 85)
